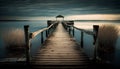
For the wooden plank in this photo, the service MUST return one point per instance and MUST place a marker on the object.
(59, 54)
(61, 57)
(55, 59)
(60, 63)
(60, 67)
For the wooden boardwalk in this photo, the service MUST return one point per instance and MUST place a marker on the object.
(60, 49)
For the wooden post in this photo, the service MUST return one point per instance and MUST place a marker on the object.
(82, 35)
(66, 26)
(48, 24)
(49, 31)
(52, 29)
(73, 31)
(26, 30)
(95, 30)
(69, 29)
(46, 33)
(42, 37)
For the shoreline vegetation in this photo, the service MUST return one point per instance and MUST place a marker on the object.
(14, 38)
(14, 42)
(107, 37)
(13, 20)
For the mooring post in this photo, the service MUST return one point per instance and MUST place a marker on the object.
(82, 35)
(48, 24)
(27, 43)
(42, 37)
(66, 26)
(69, 30)
(95, 30)
(73, 31)
(46, 33)
(49, 31)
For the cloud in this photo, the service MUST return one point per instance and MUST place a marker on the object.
(94, 17)
(70, 17)
(56, 7)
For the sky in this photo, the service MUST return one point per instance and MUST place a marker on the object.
(71, 9)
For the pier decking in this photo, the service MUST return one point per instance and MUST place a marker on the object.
(61, 50)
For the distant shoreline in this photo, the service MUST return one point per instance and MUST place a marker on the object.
(14, 20)
(96, 20)
(65, 20)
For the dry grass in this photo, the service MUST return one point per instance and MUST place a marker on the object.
(107, 37)
(14, 39)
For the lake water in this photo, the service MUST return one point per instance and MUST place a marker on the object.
(5, 26)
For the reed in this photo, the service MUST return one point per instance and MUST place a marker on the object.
(14, 39)
(107, 37)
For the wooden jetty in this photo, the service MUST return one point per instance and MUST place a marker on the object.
(60, 50)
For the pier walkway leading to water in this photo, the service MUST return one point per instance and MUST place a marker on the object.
(60, 48)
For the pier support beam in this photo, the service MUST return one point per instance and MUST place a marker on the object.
(82, 35)
(69, 30)
(42, 37)
(73, 31)
(46, 33)
(95, 30)
(26, 30)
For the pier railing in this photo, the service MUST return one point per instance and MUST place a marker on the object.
(31, 35)
(69, 26)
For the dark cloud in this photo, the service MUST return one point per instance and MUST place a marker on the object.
(55, 7)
